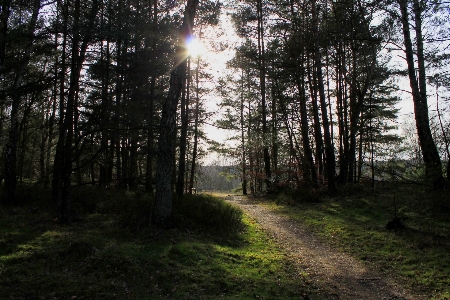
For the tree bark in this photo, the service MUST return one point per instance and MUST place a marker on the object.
(242, 127)
(162, 208)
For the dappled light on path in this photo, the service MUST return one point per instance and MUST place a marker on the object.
(337, 273)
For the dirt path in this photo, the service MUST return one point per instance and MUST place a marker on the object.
(341, 275)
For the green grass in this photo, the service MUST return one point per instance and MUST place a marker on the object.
(100, 256)
(418, 255)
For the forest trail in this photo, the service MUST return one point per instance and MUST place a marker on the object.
(337, 274)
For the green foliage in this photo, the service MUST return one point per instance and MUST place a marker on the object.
(351, 189)
(303, 194)
(208, 212)
(30, 194)
(132, 210)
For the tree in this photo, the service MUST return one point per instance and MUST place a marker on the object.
(16, 97)
(431, 158)
(162, 210)
(329, 146)
(62, 170)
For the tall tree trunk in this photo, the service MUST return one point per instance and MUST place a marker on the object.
(57, 180)
(51, 123)
(184, 115)
(11, 148)
(162, 209)
(371, 146)
(105, 145)
(274, 137)
(309, 168)
(330, 161)
(43, 143)
(63, 157)
(197, 113)
(444, 134)
(361, 154)
(133, 163)
(250, 151)
(4, 17)
(149, 167)
(262, 80)
(118, 103)
(243, 145)
(318, 137)
(433, 165)
(292, 147)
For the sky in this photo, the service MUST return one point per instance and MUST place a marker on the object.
(217, 62)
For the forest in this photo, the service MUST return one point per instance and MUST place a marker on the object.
(115, 134)
(104, 93)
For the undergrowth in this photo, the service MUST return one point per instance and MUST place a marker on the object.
(108, 253)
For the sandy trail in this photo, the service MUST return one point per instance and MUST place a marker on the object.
(342, 276)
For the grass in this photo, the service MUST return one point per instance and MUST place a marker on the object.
(418, 255)
(103, 256)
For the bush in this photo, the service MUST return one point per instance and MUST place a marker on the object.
(136, 211)
(131, 209)
(304, 194)
(352, 189)
(207, 212)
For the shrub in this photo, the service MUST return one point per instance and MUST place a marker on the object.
(303, 194)
(352, 189)
(131, 209)
(207, 212)
(135, 212)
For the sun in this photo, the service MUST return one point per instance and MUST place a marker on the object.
(195, 47)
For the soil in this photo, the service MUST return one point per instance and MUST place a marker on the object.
(339, 275)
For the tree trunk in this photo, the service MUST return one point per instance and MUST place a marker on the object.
(162, 209)
(149, 168)
(106, 147)
(4, 17)
(274, 139)
(11, 148)
(63, 157)
(329, 146)
(318, 137)
(242, 124)
(262, 80)
(184, 128)
(292, 147)
(118, 103)
(433, 165)
(309, 168)
(197, 113)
